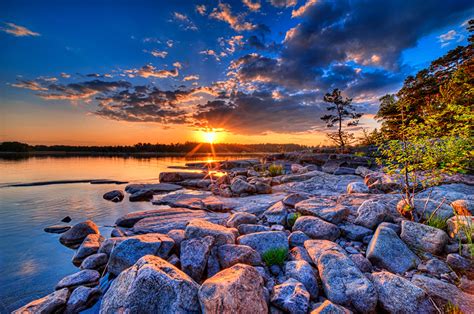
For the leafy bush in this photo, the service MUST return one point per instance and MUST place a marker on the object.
(292, 218)
(437, 222)
(275, 170)
(275, 256)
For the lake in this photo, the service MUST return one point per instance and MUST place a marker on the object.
(33, 261)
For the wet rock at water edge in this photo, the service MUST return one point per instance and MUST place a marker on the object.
(194, 255)
(114, 196)
(66, 219)
(239, 289)
(57, 228)
(82, 298)
(52, 303)
(89, 246)
(87, 277)
(95, 261)
(151, 285)
(291, 296)
(78, 233)
(231, 254)
(141, 196)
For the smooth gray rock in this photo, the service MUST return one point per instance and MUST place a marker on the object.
(322, 209)
(388, 251)
(264, 241)
(239, 186)
(130, 250)
(78, 233)
(399, 295)
(240, 218)
(276, 214)
(153, 187)
(239, 289)
(231, 254)
(246, 229)
(114, 196)
(203, 201)
(87, 277)
(294, 198)
(435, 267)
(199, 228)
(297, 238)
(316, 228)
(95, 261)
(354, 232)
(291, 296)
(82, 298)
(57, 229)
(152, 285)
(194, 255)
(423, 237)
(141, 196)
(304, 273)
(371, 213)
(52, 303)
(327, 307)
(89, 246)
(357, 187)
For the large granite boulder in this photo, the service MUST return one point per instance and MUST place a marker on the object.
(130, 250)
(238, 289)
(316, 228)
(95, 261)
(322, 209)
(388, 251)
(424, 237)
(291, 296)
(82, 298)
(194, 255)
(152, 285)
(198, 228)
(52, 303)
(304, 273)
(78, 233)
(399, 295)
(231, 254)
(87, 277)
(89, 246)
(265, 241)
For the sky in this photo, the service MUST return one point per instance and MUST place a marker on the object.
(122, 72)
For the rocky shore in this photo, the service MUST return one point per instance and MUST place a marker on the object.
(293, 233)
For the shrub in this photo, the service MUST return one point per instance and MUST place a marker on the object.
(275, 256)
(275, 170)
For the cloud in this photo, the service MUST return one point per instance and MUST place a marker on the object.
(210, 52)
(65, 75)
(283, 3)
(157, 53)
(302, 10)
(17, 30)
(191, 77)
(201, 9)
(223, 13)
(185, 21)
(31, 85)
(450, 36)
(231, 44)
(252, 5)
(148, 70)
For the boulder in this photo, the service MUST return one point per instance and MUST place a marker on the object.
(141, 196)
(151, 285)
(213, 266)
(424, 237)
(316, 228)
(180, 176)
(263, 188)
(114, 196)
(87, 277)
(246, 228)
(357, 187)
(463, 207)
(327, 307)
(458, 225)
(231, 254)
(326, 210)
(435, 267)
(95, 261)
(443, 292)
(354, 232)
(194, 255)
(78, 233)
(203, 201)
(82, 298)
(276, 214)
(199, 228)
(427, 207)
(291, 296)
(240, 218)
(178, 236)
(57, 228)
(109, 244)
(265, 241)
(361, 262)
(399, 295)
(297, 238)
(89, 246)
(371, 213)
(316, 247)
(304, 273)
(461, 264)
(388, 251)
(52, 303)
(130, 250)
(294, 198)
(299, 253)
(239, 289)
(239, 186)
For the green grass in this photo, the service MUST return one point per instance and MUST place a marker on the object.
(292, 218)
(275, 170)
(437, 222)
(275, 256)
(451, 308)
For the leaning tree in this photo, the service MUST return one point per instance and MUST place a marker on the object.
(341, 109)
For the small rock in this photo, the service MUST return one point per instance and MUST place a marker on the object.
(263, 188)
(316, 228)
(457, 226)
(297, 238)
(304, 273)
(351, 250)
(265, 241)
(194, 254)
(354, 232)
(89, 246)
(57, 228)
(276, 214)
(141, 196)
(239, 186)
(317, 207)
(231, 254)
(199, 228)
(371, 213)
(461, 264)
(95, 261)
(87, 277)
(66, 219)
(78, 233)
(82, 298)
(291, 296)
(292, 199)
(246, 229)
(327, 307)
(114, 196)
(388, 251)
(423, 237)
(361, 262)
(52, 303)
(434, 266)
(239, 289)
(240, 218)
(357, 187)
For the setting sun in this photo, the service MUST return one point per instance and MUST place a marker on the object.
(209, 137)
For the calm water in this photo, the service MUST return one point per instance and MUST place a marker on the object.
(33, 261)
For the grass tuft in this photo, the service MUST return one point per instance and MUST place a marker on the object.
(275, 256)
(275, 170)
(437, 222)
(292, 218)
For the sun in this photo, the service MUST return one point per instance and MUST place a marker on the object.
(209, 137)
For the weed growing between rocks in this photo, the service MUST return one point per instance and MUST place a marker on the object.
(275, 170)
(437, 222)
(292, 218)
(275, 256)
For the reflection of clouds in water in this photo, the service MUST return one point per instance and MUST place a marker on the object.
(28, 267)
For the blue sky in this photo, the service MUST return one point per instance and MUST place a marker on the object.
(160, 70)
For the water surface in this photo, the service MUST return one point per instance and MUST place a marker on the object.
(33, 261)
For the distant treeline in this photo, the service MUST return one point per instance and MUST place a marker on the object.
(180, 148)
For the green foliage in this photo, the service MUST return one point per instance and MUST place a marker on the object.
(292, 218)
(436, 222)
(451, 308)
(275, 170)
(275, 256)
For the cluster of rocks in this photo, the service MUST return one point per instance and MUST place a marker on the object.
(321, 243)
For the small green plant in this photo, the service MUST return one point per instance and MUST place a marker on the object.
(437, 222)
(275, 256)
(451, 308)
(275, 170)
(467, 229)
(359, 154)
(292, 218)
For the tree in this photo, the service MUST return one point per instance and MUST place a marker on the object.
(343, 110)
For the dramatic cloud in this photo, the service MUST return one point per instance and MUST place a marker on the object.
(17, 30)
(252, 5)
(237, 22)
